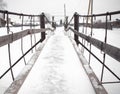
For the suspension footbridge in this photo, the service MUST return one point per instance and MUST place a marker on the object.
(58, 65)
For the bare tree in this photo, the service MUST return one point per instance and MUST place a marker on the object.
(2, 5)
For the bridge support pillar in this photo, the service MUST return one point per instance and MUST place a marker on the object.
(42, 26)
(76, 26)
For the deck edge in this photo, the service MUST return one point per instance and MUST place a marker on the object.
(19, 80)
(98, 87)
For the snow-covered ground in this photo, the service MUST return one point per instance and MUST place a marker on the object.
(55, 70)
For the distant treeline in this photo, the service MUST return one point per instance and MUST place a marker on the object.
(110, 25)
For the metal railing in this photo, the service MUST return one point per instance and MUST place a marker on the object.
(108, 49)
(9, 38)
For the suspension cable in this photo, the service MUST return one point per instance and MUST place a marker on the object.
(70, 20)
(48, 20)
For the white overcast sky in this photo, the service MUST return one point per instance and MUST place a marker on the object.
(56, 7)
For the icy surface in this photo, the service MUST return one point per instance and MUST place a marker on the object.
(57, 70)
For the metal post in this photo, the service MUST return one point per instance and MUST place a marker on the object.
(9, 52)
(82, 48)
(66, 22)
(64, 16)
(64, 10)
(91, 36)
(106, 26)
(22, 41)
(34, 33)
(61, 22)
(42, 25)
(53, 22)
(31, 37)
(91, 28)
(76, 26)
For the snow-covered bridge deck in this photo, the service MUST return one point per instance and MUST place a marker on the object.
(58, 70)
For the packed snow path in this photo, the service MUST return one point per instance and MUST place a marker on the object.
(58, 70)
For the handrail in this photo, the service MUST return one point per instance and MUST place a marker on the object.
(102, 14)
(26, 32)
(112, 51)
(14, 13)
(9, 38)
(108, 49)
(105, 48)
(15, 36)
